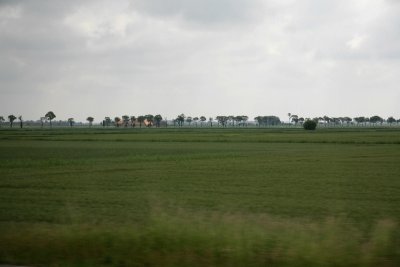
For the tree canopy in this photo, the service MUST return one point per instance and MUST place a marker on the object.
(11, 118)
(50, 116)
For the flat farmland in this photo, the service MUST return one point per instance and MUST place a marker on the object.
(200, 197)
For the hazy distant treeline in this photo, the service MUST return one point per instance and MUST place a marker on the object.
(149, 120)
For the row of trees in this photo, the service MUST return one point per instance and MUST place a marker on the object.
(329, 121)
(147, 120)
(221, 120)
(11, 118)
(224, 121)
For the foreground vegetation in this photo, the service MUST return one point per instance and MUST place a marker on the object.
(205, 197)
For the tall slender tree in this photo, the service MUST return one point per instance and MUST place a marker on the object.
(133, 120)
(259, 120)
(11, 118)
(267, 120)
(202, 119)
(231, 118)
(20, 121)
(141, 119)
(376, 119)
(158, 118)
(117, 120)
(222, 120)
(181, 119)
(210, 120)
(244, 120)
(90, 120)
(42, 121)
(327, 120)
(50, 116)
(295, 119)
(189, 120)
(347, 120)
(238, 120)
(125, 120)
(71, 122)
(336, 121)
(391, 120)
(196, 119)
(1, 120)
(107, 121)
(360, 120)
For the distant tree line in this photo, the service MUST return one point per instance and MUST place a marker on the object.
(182, 120)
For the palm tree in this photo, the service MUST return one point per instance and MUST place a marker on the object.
(141, 120)
(50, 116)
(20, 121)
(11, 118)
(116, 121)
(71, 121)
(90, 120)
(1, 120)
(158, 118)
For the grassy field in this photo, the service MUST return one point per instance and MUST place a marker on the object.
(200, 197)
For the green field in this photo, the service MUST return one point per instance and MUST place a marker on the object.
(200, 197)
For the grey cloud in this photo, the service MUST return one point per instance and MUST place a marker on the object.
(204, 12)
(104, 58)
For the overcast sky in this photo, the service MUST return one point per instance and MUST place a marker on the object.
(200, 57)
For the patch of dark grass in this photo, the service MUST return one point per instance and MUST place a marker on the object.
(187, 239)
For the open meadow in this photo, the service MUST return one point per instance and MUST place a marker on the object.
(200, 197)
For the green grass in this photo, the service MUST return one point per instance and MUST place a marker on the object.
(200, 197)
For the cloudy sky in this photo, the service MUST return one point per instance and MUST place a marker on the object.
(200, 57)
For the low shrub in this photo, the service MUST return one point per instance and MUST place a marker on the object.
(310, 125)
